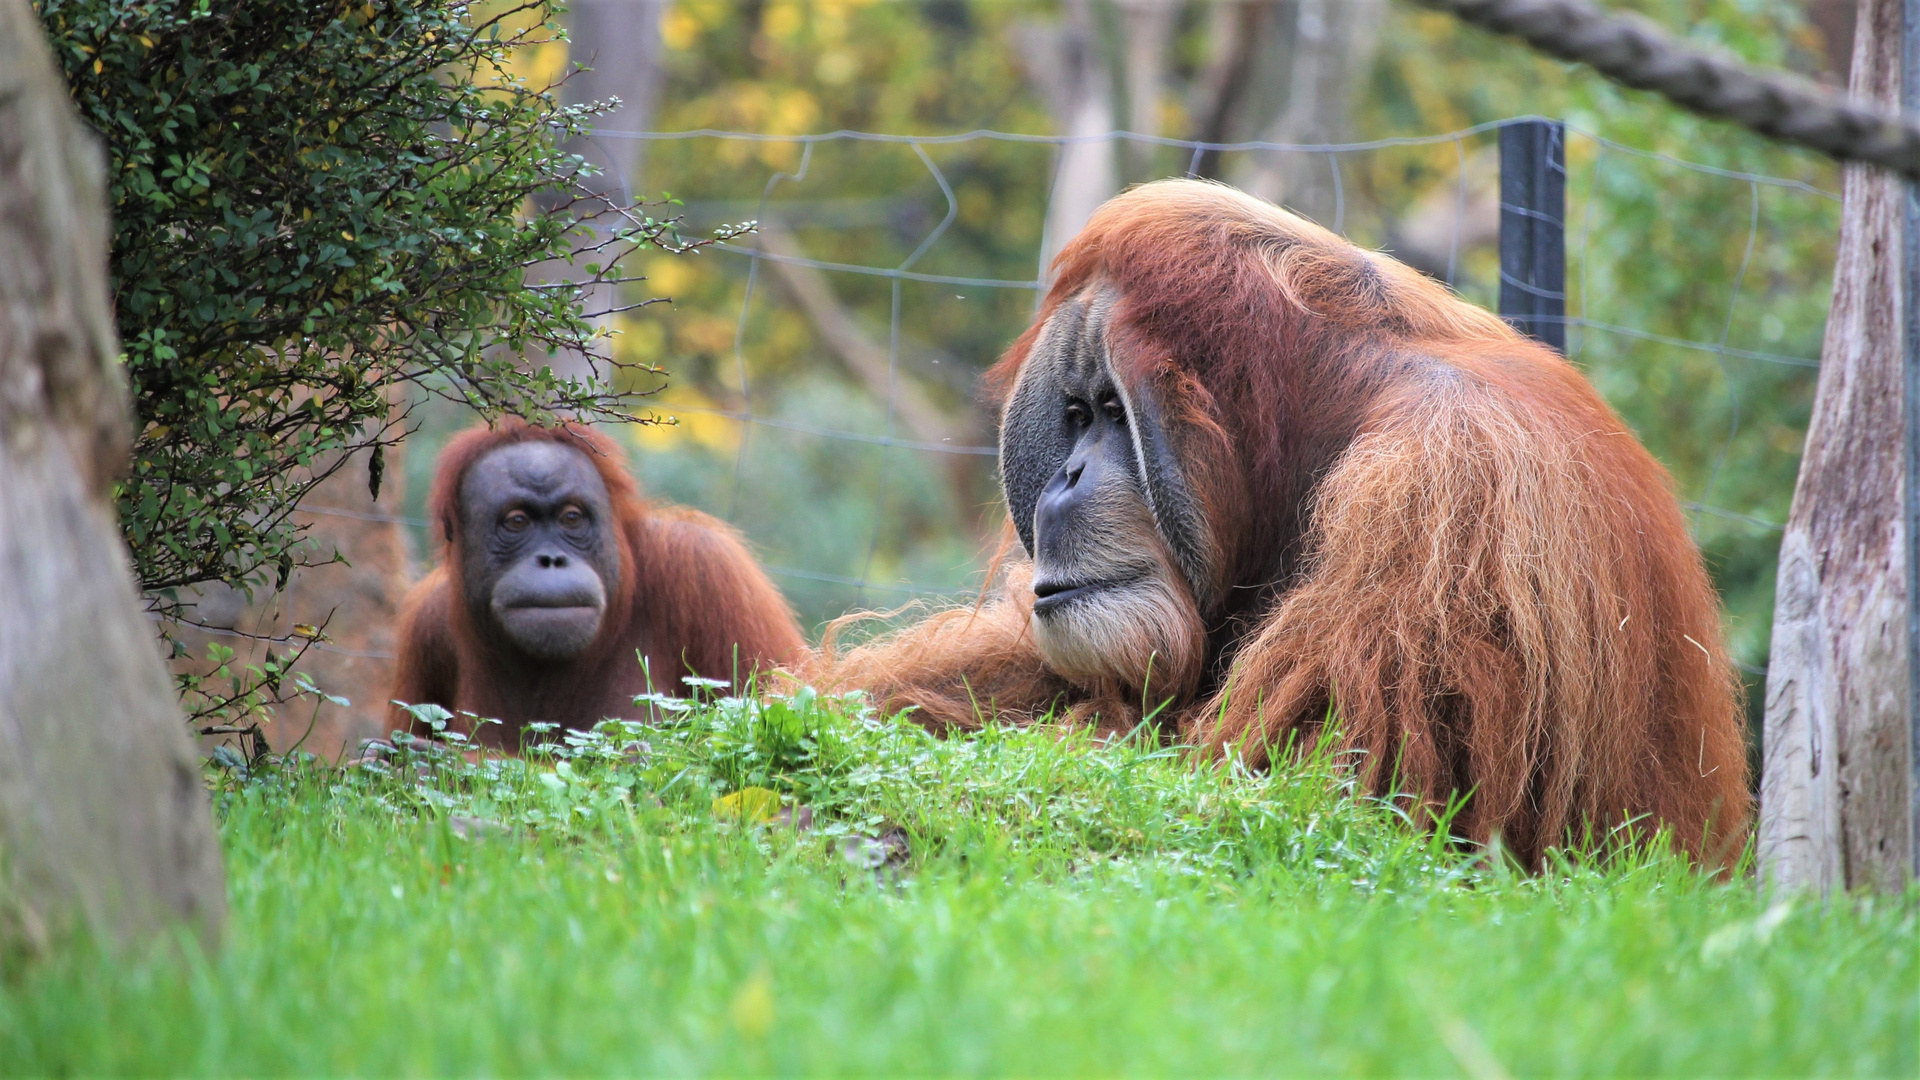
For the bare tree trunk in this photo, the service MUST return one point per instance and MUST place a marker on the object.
(1146, 27)
(102, 809)
(619, 43)
(1065, 61)
(1333, 43)
(1833, 796)
(1237, 31)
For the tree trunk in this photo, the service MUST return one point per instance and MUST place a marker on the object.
(1237, 33)
(1065, 62)
(618, 41)
(102, 810)
(1333, 45)
(1834, 788)
(1146, 32)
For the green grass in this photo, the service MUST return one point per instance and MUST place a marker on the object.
(1067, 906)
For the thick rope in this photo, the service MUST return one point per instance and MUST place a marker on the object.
(1635, 52)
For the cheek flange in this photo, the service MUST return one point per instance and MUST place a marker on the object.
(1178, 514)
(1034, 441)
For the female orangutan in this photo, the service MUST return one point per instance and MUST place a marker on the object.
(558, 578)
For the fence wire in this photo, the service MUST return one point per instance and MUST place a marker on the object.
(1607, 153)
(866, 588)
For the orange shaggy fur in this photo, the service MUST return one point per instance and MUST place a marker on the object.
(690, 599)
(1419, 518)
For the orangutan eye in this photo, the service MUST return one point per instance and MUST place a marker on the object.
(1116, 412)
(1078, 415)
(515, 521)
(572, 517)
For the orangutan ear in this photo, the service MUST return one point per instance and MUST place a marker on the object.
(1184, 475)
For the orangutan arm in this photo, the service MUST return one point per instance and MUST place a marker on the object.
(1498, 606)
(704, 592)
(958, 669)
(426, 671)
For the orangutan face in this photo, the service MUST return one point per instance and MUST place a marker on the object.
(1109, 600)
(539, 552)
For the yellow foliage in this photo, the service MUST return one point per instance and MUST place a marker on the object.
(679, 29)
(703, 428)
(639, 340)
(672, 275)
(783, 21)
(541, 63)
(795, 112)
(708, 14)
(782, 156)
(837, 66)
(704, 332)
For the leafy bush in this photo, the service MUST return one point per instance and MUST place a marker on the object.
(316, 205)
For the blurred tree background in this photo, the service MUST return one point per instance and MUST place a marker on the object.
(1656, 249)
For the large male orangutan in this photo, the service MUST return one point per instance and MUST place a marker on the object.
(1261, 478)
(557, 578)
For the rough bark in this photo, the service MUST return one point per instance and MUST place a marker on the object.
(103, 815)
(1833, 793)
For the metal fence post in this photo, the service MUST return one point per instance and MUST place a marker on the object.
(1533, 229)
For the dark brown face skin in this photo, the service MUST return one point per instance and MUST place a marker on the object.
(1092, 504)
(1110, 604)
(539, 557)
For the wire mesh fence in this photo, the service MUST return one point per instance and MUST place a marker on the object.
(825, 368)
